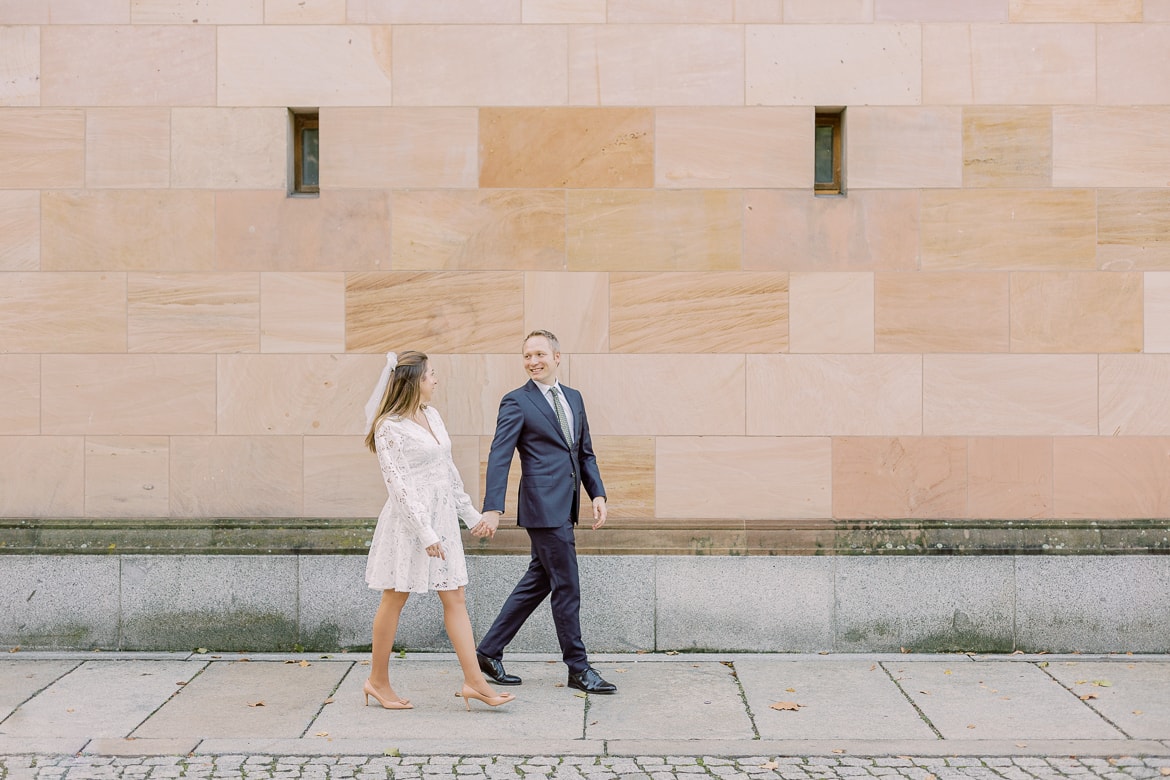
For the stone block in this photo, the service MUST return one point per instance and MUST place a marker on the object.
(1085, 11)
(217, 12)
(1033, 64)
(20, 230)
(199, 313)
(573, 305)
(42, 148)
(20, 70)
(831, 312)
(654, 230)
(1009, 395)
(1132, 395)
(941, 312)
(1110, 477)
(128, 147)
(336, 608)
(1130, 234)
(433, 12)
(903, 147)
(641, 65)
(478, 230)
(342, 478)
(759, 11)
(1007, 147)
(219, 602)
(127, 476)
(828, 11)
(914, 476)
(1093, 604)
(471, 386)
(302, 312)
(229, 148)
(43, 476)
(67, 12)
(628, 468)
(304, 11)
(934, 11)
(1156, 307)
(723, 147)
(63, 312)
(1009, 477)
(1076, 312)
(481, 65)
(563, 11)
(745, 477)
(763, 604)
(1110, 147)
(924, 604)
(833, 64)
(667, 11)
(1124, 50)
(237, 476)
(673, 312)
(947, 77)
(20, 387)
(824, 395)
(49, 602)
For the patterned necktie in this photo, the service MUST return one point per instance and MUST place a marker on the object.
(560, 410)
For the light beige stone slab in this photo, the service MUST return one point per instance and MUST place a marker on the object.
(639, 65)
(1156, 10)
(400, 147)
(20, 230)
(104, 230)
(710, 403)
(304, 65)
(574, 306)
(746, 477)
(759, 11)
(1009, 477)
(1075, 10)
(1156, 310)
(480, 65)
(479, 230)
(342, 478)
(343, 230)
(670, 11)
(1033, 64)
(1131, 230)
(947, 77)
(41, 148)
(563, 11)
(1103, 477)
(20, 387)
(304, 11)
(828, 11)
(20, 66)
(834, 395)
(471, 386)
(831, 312)
(724, 147)
(1133, 395)
(936, 11)
(43, 476)
(628, 468)
(1009, 395)
(941, 312)
(196, 11)
(229, 148)
(1132, 66)
(302, 312)
(127, 395)
(1077, 312)
(1110, 147)
(903, 147)
(254, 396)
(465, 454)
(236, 476)
(655, 230)
(793, 230)
(876, 477)
(1007, 146)
(833, 64)
(441, 311)
(157, 65)
(193, 312)
(128, 147)
(434, 11)
(127, 476)
(63, 312)
(1009, 229)
(566, 147)
(674, 312)
(64, 12)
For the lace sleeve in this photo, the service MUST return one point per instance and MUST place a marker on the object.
(396, 473)
(464, 508)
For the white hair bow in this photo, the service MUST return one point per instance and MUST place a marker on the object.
(375, 402)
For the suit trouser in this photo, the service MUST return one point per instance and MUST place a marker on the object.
(553, 569)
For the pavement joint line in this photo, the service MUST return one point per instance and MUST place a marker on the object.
(1084, 702)
(898, 684)
(743, 698)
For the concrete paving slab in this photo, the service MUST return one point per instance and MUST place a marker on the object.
(668, 701)
(542, 709)
(839, 700)
(1135, 697)
(223, 700)
(140, 747)
(100, 699)
(21, 679)
(11, 746)
(997, 701)
(450, 745)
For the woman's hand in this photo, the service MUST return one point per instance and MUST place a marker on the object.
(436, 551)
(489, 522)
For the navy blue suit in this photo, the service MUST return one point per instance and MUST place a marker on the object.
(551, 475)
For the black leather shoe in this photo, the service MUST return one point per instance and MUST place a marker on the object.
(590, 682)
(494, 671)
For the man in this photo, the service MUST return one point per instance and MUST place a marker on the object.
(545, 421)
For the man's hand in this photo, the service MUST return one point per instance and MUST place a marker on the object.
(487, 525)
(599, 512)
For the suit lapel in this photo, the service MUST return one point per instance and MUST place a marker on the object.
(544, 408)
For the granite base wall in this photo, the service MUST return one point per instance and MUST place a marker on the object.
(991, 603)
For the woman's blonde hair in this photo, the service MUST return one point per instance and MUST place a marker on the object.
(403, 396)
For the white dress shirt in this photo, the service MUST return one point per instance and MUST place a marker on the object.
(564, 401)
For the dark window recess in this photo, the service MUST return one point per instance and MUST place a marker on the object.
(306, 165)
(828, 166)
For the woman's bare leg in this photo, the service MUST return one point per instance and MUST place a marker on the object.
(385, 628)
(458, 624)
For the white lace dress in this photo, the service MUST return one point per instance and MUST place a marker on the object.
(426, 503)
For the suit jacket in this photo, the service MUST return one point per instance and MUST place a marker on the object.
(551, 472)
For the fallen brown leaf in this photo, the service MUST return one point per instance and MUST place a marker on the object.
(1087, 696)
(304, 663)
(769, 765)
(839, 751)
(1102, 683)
(1164, 771)
(970, 725)
(790, 690)
(1138, 712)
(932, 777)
(1021, 744)
(668, 652)
(328, 701)
(873, 667)
(257, 704)
(181, 682)
(322, 733)
(786, 705)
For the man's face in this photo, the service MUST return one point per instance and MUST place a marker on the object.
(540, 361)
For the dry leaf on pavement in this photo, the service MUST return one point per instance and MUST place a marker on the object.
(769, 765)
(257, 704)
(786, 705)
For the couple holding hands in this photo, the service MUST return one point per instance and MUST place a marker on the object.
(417, 547)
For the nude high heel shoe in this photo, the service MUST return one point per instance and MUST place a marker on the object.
(470, 693)
(387, 704)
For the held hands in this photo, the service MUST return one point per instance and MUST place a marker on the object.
(599, 512)
(436, 551)
(487, 525)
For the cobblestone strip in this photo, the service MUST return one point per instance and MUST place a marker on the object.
(257, 767)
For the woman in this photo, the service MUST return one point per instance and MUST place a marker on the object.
(416, 545)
